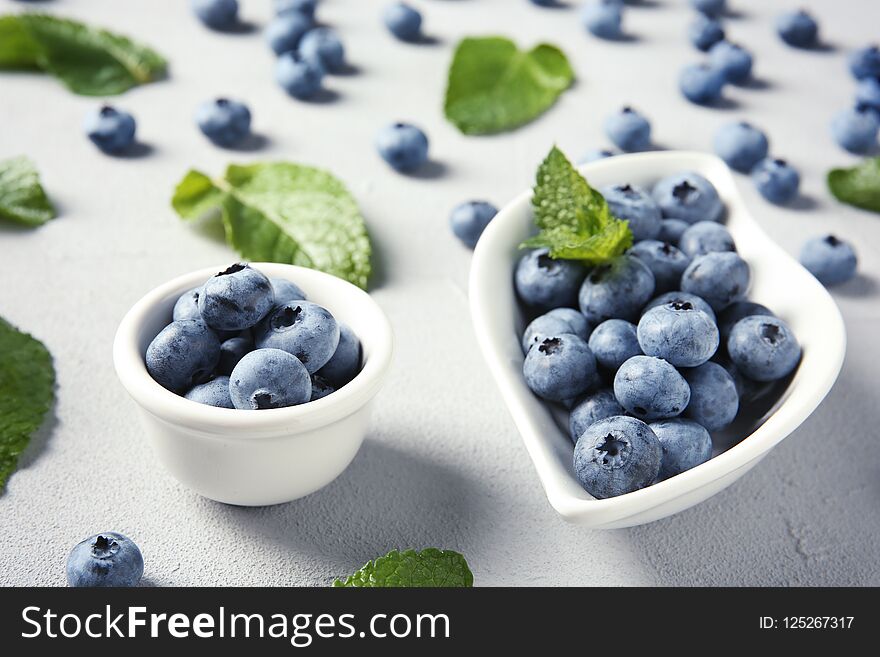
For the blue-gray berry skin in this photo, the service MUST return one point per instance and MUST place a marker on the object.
(701, 84)
(543, 283)
(734, 61)
(748, 389)
(737, 311)
(705, 32)
(719, 278)
(403, 21)
(636, 206)
(216, 14)
(628, 130)
(110, 129)
(865, 62)
(798, 29)
(269, 378)
(595, 154)
(213, 393)
(236, 298)
(679, 333)
(577, 323)
(855, 129)
(829, 259)
(321, 387)
(614, 342)
(763, 348)
(689, 197)
(469, 220)
(868, 94)
(108, 559)
(741, 145)
(616, 290)
(617, 455)
(671, 230)
(706, 237)
(603, 18)
(685, 445)
(285, 32)
(303, 329)
(300, 78)
(232, 351)
(322, 47)
(590, 409)
(651, 388)
(306, 7)
(286, 290)
(184, 354)
(714, 397)
(403, 146)
(560, 368)
(711, 8)
(187, 306)
(680, 297)
(555, 322)
(776, 180)
(345, 362)
(666, 262)
(225, 122)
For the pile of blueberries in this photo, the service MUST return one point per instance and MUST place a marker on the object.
(655, 350)
(245, 341)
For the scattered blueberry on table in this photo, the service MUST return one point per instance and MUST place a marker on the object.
(798, 29)
(108, 559)
(225, 122)
(829, 259)
(731, 59)
(741, 145)
(216, 14)
(300, 78)
(776, 180)
(711, 8)
(603, 18)
(628, 130)
(403, 21)
(322, 47)
(469, 220)
(865, 62)
(286, 31)
(701, 83)
(855, 129)
(403, 146)
(110, 129)
(705, 32)
(305, 7)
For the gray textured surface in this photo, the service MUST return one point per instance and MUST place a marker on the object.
(443, 465)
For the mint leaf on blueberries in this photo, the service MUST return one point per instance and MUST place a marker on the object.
(429, 568)
(284, 212)
(859, 185)
(493, 86)
(22, 198)
(574, 220)
(88, 60)
(27, 380)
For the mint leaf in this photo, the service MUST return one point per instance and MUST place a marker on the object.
(429, 568)
(284, 212)
(574, 220)
(494, 87)
(89, 61)
(27, 379)
(858, 186)
(22, 198)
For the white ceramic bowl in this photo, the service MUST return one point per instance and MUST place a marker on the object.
(253, 458)
(778, 282)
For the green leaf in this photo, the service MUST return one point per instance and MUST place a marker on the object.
(284, 212)
(574, 220)
(494, 87)
(858, 186)
(27, 380)
(22, 198)
(89, 61)
(429, 568)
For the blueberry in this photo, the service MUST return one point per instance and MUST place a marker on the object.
(829, 259)
(110, 129)
(543, 283)
(679, 333)
(613, 343)
(734, 61)
(304, 329)
(236, 298)
(711, 8)
(603, 18)
(300, 78)
(269, 378)
(286, 31)
(680, 297)
(345, 362)
(547, 326)
(322, 47)
(594, 155)
(737, 311)
(403, 146)
(232, 351)
(305, 7)
(403, 21)
(636, 206)
(688, 196)
(714, 397)
(868, 94)
(560, 367)
(685, 445)
(763, 348)
(705, 32)
(469, 220)
(107, 559)
(615, 456)
(628, 130)
(671, 230)
(856, 129)
(285, 291)
(701, 83)
(213, 393)
(187, 306)
(720, 278)
(798, 29)
(184, 354)
(225, 122)
(741, 145)
(321, 388)
(776, 180)
(216, 14)
(665, 261)
(748, 389)
(706, 237)
(590, 409)
(865, 62)
(651, 388)
(616, 290)
(577, 323)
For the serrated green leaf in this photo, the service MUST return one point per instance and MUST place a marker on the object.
(429, 568)
(27, 380)
(22, 197)
(859, 185)
(18, 51)
(196, 195)
(493, 86)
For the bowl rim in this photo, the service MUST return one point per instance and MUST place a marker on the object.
(243, 424)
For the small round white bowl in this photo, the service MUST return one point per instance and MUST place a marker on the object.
(256, 458)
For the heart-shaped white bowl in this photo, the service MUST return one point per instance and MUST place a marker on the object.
(778, 282)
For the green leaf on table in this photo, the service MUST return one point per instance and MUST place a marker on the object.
(22, 197)
(493, 86)
(284, 212)
(574, 220)
(88, 60)
(27, 381)
(859, 185)
(429, 568)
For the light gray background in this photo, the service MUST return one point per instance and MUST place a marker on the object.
(443, 465)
